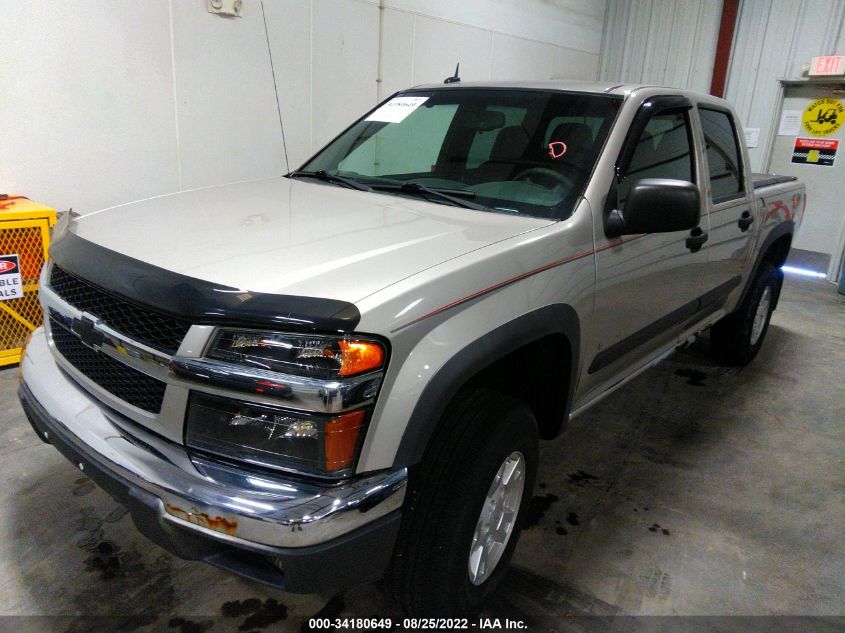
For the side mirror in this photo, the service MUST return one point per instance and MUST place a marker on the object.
(656, 205)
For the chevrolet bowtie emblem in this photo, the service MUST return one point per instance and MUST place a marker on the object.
(84, 329)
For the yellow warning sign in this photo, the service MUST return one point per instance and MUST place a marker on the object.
(823, 116)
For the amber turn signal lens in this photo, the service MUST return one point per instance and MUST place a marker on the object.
(342, 440)
(359, 356)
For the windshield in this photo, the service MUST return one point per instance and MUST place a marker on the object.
(526, 152)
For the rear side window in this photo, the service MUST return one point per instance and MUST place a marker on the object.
(723, 155)
(664, 150)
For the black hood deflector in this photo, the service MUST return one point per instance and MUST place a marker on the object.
(202, 302)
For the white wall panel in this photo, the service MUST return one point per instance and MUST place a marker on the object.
(574, 23)
(572, 64)
(289, 28)
(439, 45)
(661, 42)
(344, 63)
(423, 42)
(397, 52)
(228, 121)
(515, 57)
(86, 102)
(103, 106)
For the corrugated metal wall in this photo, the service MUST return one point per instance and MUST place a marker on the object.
(662, 42)
(773, 39)
(673, 43)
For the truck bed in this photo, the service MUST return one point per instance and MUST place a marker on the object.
(764, 180)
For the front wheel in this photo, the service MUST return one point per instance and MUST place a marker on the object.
(738, 337)
(465, 507)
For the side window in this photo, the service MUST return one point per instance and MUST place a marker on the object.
(723, 155)
(663, 150)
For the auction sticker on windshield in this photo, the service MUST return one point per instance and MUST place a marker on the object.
(10, 278)
(396, 109)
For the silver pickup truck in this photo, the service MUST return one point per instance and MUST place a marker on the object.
(344, 373)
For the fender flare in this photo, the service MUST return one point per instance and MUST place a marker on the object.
(466, 363)
(784, 228)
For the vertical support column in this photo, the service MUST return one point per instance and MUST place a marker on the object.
(724, 44)
(380, 70)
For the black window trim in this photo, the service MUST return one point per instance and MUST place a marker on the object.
(725, 197)
(661, 104)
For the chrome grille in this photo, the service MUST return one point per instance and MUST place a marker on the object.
(120, 380)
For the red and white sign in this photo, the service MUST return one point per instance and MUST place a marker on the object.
(827, 65)
(815, 151)
(11, 285)
(817, 143)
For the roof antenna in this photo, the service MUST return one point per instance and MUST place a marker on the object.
(454, 78)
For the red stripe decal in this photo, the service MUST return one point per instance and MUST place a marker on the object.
(519, 277)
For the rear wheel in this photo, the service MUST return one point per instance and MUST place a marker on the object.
(738, 337)
(465, 507)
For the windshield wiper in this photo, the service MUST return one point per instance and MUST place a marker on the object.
(405, 187)
(452, 196)
(322, 174)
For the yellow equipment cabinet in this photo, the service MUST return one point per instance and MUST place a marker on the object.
(24, 238)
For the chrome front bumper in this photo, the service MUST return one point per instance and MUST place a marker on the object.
(218, 501)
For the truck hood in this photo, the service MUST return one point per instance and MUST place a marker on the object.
(296, 237)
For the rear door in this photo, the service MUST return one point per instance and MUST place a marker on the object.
(730, 202)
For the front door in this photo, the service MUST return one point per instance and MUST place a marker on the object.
(646, 285)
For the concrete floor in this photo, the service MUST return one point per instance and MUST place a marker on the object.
(695, 490)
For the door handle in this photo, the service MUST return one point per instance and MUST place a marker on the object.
(745, 221)
(696, 239)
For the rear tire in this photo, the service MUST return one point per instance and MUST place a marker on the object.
(467, 461)
(736, 339)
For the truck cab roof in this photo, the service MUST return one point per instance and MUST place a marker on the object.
(623, 90)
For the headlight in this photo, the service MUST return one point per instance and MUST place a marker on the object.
(316, 393)
(275, 437)
(297, 354)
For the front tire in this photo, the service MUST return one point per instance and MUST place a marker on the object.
(738, 337)
(465, 506)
